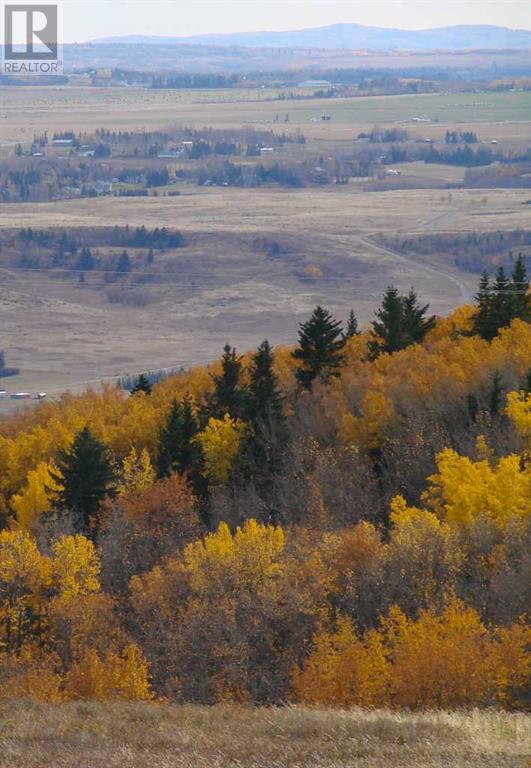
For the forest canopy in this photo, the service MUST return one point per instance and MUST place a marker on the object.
(344, 522)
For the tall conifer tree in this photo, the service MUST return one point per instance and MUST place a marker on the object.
(352, 326)
(142, 385)
(320, 350)
(178, 449)
(483, 320)
(229, 396)
(417, 324)
(264, 402)
(520, 296)
(86, 478)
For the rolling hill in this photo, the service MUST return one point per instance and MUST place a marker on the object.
(355, 36)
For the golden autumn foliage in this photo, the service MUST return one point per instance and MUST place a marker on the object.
(220, 442)
(344, 670)
(137, 472)
(446, 660)
(251, 555)
(111, 676)
(36, 497)
(519, 411)
(53, 615)
(463, 490)
(314, 581)
(358, 405)
(76, 567)
(207, 615)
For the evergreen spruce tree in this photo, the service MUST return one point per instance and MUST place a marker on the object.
(264, 401)
(320, 349)
(519, 290)
(178, 450)
(502, 301)
(85, 261)
(417, 324)
(483, 320)
(124, 265)
(229, 396)
(388, 331)
(142, 385)
(352, 326)
(400, 322)
(86, 478)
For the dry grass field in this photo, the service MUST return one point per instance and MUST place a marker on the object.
(225, 284)
(157, 736)
(24, 110)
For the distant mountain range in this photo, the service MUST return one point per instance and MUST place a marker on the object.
(354, 36)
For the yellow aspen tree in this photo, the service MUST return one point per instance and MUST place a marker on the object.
(24, 580)
(137, 472)
(464, 489)
(76, 566)
(344, 670)
(439, 661)
(113, 676)
(220, 442)
(519, 411)
(36, 498)
(250, 556)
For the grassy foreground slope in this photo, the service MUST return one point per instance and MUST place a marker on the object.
(225, 736)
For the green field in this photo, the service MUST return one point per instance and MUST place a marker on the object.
(25, 110)
(447, 108)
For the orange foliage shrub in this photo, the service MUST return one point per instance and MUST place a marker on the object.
(447, 661)
(110, 676)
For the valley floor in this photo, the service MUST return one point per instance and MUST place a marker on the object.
(90, 735)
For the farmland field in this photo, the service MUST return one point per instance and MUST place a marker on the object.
(224, 283)
(24, 110)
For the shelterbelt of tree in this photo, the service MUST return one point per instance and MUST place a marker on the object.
(345, 522)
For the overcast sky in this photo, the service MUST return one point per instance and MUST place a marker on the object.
(89, 19)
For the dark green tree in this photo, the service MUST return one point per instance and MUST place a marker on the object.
(86, 477)
(142, 385)
(261, 456)
(124, 264)
(352, 326)
(520, 298)
(483, 320)
(417, 324)
(86, 260)
(229, 395)
(178, 450)
(502, 301)
(400, 322)
(264, 401)
(388, 330)
(320, 350)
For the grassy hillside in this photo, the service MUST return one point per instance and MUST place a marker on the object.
(147, 735)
